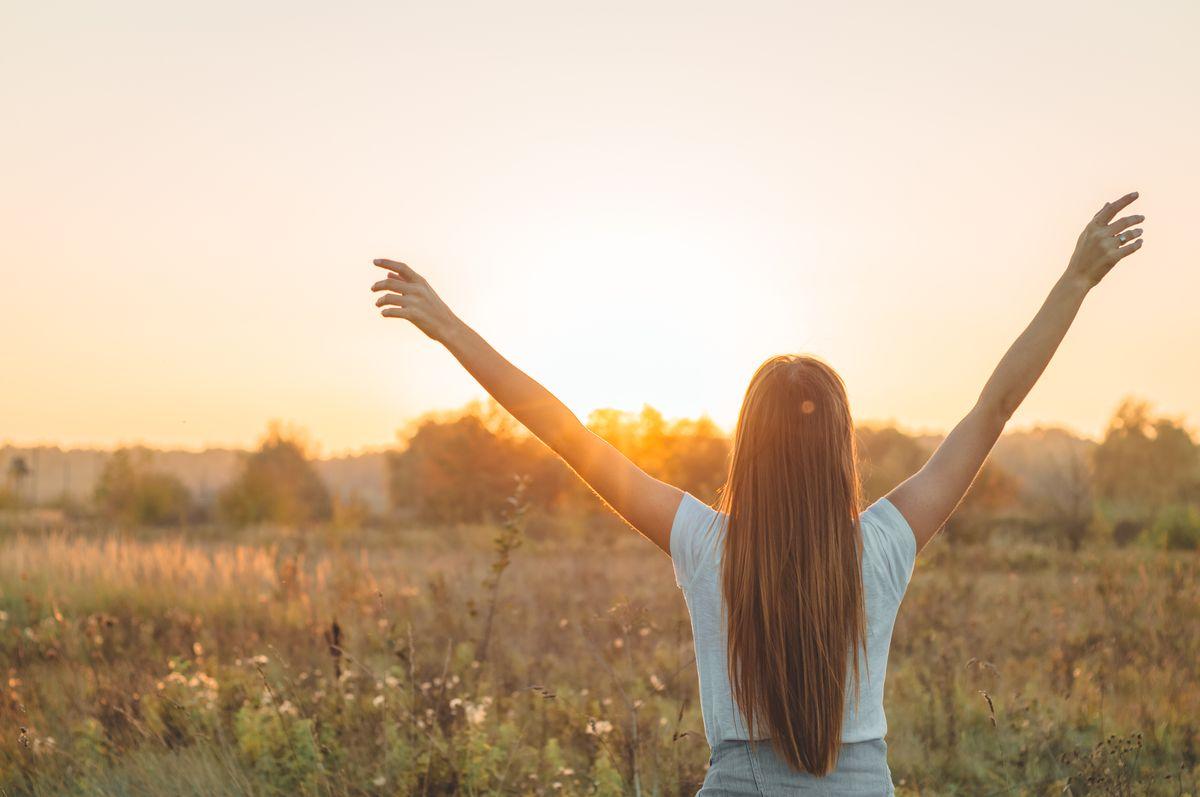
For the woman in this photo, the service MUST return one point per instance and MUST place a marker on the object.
(792, 591)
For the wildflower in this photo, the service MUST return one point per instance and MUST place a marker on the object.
(566, 771)
(455, 703)
(644, 631)
(425, 686)
(618, 643)
(599, 727)
(379, 781)
(286, 707)
(197, 649)
(378, 701)
(562, 623)
(662, 721)
(392, 681)
(556, 785)
(657, 683)
(260, 659)
(349, 696)
(475, 713)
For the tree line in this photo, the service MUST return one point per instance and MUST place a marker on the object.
(1141, 481)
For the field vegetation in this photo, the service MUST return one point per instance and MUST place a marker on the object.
(495, 634)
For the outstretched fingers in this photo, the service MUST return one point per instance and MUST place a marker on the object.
(1123, 223)
(395, 300)
(402, 270)
(398, 285)
(1129, 249)
(1107, 213)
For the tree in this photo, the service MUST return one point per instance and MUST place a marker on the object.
(691, 454)
(131, 491)
(887, 457)
(277, 484)
(461, 471)
(18, 472)
(1144, 462)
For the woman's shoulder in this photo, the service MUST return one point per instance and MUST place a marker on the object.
(695, 538)
(889, 542)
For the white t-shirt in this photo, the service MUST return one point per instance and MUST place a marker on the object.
(889, 551)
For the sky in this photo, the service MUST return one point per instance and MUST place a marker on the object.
(636, 202)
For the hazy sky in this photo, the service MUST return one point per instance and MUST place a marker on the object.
(635, 201)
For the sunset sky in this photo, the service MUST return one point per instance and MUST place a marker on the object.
(635, 201)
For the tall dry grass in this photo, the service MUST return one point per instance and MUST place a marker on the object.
(349, 664)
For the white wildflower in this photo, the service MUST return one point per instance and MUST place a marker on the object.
(599, 727)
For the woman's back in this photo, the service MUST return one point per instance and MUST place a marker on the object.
(889, 551)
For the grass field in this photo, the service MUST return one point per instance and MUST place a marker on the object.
(353, 663)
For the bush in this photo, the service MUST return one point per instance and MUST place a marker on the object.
(131, 491)
(1126, 531)
(277, 484)
(1177, 528)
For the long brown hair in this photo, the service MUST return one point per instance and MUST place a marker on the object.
(792, 562)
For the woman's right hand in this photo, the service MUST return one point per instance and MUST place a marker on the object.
(1104, 242)
(413, 299)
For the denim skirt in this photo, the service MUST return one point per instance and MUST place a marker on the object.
(736, 769)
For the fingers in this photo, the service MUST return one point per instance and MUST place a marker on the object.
(1111, 209)
(1129, 249)
(1124, 222)
(401, 269)
(397, 312)
(398, 285)
(1128, 235)
(395, 300)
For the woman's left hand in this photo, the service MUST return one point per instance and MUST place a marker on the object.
(410, 297)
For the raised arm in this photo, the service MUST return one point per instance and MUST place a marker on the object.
(643, 501)
(929, 497)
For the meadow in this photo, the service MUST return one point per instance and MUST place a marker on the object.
(545, 655)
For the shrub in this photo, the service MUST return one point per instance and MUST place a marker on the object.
(1177, 528)
(131, 491)
(277, 484)
(1126, 531)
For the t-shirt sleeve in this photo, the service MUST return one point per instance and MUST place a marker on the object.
(693, 538)
(894, 541)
